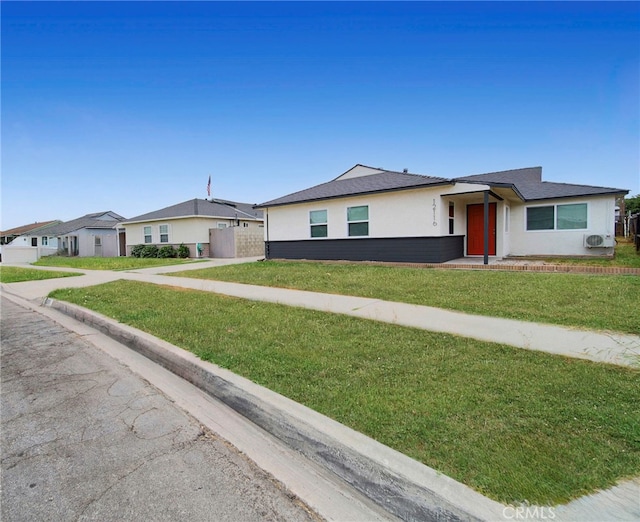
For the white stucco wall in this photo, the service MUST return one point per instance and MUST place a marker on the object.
(24, 254)
(504, 229)
(21, 251)
(600, 220)
(407, 213)
(52, 242)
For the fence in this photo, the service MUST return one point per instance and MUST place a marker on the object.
(236, 242)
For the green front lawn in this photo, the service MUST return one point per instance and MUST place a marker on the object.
(589, 301)
(13, 274)
(108, 263)
(514, 424)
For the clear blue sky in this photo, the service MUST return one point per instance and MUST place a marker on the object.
(131, 106)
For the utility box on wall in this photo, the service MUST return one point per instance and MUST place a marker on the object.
(598, 240)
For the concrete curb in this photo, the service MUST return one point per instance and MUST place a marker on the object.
(397, 483)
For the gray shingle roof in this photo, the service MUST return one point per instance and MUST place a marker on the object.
(103, 220)
(526, 182)
(384, 182)
(529, 186)
(218, 208)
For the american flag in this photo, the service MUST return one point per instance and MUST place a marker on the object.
(209, 188)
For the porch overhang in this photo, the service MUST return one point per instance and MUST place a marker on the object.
(475, 193)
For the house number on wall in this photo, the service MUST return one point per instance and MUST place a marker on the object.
(435, 223)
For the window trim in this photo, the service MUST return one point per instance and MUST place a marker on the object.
(149, 235)
(320, 225)
(357, 221)
(555, 228)
(586, 217)
(167, 233)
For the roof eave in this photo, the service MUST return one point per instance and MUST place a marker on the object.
(246, 217)
(497, 185)
(621, 192)
(358, 194)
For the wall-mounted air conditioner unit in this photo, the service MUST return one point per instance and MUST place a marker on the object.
(598, 240)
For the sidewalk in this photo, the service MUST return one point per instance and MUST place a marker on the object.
(598, 346)
(365, 464)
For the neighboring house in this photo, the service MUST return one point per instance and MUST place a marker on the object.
(87, 236)
(379, 215)
(7, 236)
(210, 228)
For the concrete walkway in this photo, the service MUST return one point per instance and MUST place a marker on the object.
(599, 346)
(304, 430)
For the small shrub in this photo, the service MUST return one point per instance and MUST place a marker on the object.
(136, 251)
(183, 251)
(150, 251)
(167, 251)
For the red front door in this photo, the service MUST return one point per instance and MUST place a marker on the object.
(475, 229)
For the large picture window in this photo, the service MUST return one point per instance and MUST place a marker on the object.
(318, 223)
(557, 217)
(572, 217)
(358, 220)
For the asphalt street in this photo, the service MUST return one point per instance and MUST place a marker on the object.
(84, 438)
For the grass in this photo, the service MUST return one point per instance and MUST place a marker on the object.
(515, 425)
(589, 301)
(625, 256)
(13, 274)
(108, 263)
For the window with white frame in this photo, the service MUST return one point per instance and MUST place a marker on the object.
(571, 216)
(358, 220)
(507, 217)
(222, 225)
(45, 241)
(318, 223)
(147, 235)
(164, 233)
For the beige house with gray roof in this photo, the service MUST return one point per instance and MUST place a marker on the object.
(208, 227)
